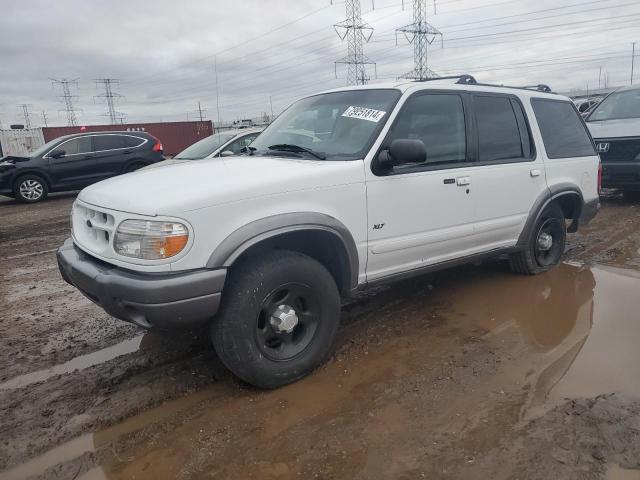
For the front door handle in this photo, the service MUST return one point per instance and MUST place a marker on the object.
(535, 172)
(463, 181)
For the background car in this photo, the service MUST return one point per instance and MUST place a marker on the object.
(220, 144)
(75, 161)
(615, 127)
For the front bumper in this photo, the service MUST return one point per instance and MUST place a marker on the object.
(624, 175)
(160, 300)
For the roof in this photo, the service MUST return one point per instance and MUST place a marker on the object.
(241, 131)
(450, 83)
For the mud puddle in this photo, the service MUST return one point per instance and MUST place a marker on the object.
(79, 363)
(423, 384)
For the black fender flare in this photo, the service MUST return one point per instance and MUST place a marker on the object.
(31, 171)
(554, 192)
(236, 243)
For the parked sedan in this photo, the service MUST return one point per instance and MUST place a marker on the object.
(220, 144)
(75, 161)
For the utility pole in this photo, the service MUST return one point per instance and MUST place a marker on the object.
(26, 114)
(215, 69)
(109, 97)
(67, 98)
(200, 112)
(44, 118)
(633, 57)
(271, 105)
(599, 77)
(421, 34)
(357, 33)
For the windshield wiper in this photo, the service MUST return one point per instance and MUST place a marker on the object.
(289, 147)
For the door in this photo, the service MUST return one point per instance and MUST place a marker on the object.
(422, 214)
(509, 175)
(76, 168)
(112, 153)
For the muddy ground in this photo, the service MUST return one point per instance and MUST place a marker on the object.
(470, 373)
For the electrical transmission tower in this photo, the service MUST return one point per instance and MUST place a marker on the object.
(200, 112)
(357, 33)
(421, 34)
(26, 114)
(109, 97)
(67, 98)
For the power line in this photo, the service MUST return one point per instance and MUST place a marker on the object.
(356, 32)
(67, 98)
(421, 34)
(109, 98)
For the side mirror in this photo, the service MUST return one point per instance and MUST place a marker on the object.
(227, 153)
(401, 151)
(58, 154)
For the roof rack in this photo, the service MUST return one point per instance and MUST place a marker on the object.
(466, 79)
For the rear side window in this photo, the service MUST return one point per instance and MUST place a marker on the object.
(133, 141)
(108, 142)
(501, 134)
(563, 133)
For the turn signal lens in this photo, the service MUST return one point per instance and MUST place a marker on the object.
(150, 240)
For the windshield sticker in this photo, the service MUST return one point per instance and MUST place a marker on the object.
(364, 113)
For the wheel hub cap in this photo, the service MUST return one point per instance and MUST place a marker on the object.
(31, 189)
(284, 319)
(545, 241)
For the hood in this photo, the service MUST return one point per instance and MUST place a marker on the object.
(626, 127)
(164, 163)
(13, 159)
(191, 185)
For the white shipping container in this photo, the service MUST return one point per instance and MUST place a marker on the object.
(20, 142)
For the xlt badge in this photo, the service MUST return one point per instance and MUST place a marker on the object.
(378, 226)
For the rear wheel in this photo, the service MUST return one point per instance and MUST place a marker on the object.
(30, 189)
(278, 320)
(545, 245)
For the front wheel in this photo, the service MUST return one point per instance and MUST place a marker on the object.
(30, 189)
(279, 317)
(545, 245)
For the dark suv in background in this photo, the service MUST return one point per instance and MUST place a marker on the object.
(74, 161)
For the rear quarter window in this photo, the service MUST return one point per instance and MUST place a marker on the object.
(563, 132)
(133, 141)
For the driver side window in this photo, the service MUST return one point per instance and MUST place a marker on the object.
(76, 146)
(438, 120)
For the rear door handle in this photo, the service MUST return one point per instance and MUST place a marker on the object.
(463, 181)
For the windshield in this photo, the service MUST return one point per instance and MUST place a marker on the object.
(338, 126)
(618, 105)
(38, 152)
(205, 147)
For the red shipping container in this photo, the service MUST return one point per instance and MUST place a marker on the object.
(175, 136)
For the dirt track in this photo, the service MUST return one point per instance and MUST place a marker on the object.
(471, 373)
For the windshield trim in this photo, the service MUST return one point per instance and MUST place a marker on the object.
(347, 157)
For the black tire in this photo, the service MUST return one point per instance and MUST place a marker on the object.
(30, 189)
(244, 334)
(536, 257)
(134, 166)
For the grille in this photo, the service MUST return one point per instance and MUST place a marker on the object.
(93, 228)
(620, 150)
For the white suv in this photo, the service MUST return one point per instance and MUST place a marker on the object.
(345, 189)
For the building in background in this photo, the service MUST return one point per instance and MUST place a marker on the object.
(20, 142)
(175, 136)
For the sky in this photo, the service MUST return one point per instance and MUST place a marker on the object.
(268, 53)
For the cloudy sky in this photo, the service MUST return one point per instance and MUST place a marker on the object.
(270, 52)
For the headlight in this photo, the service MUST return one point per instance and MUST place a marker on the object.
(150, 240)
